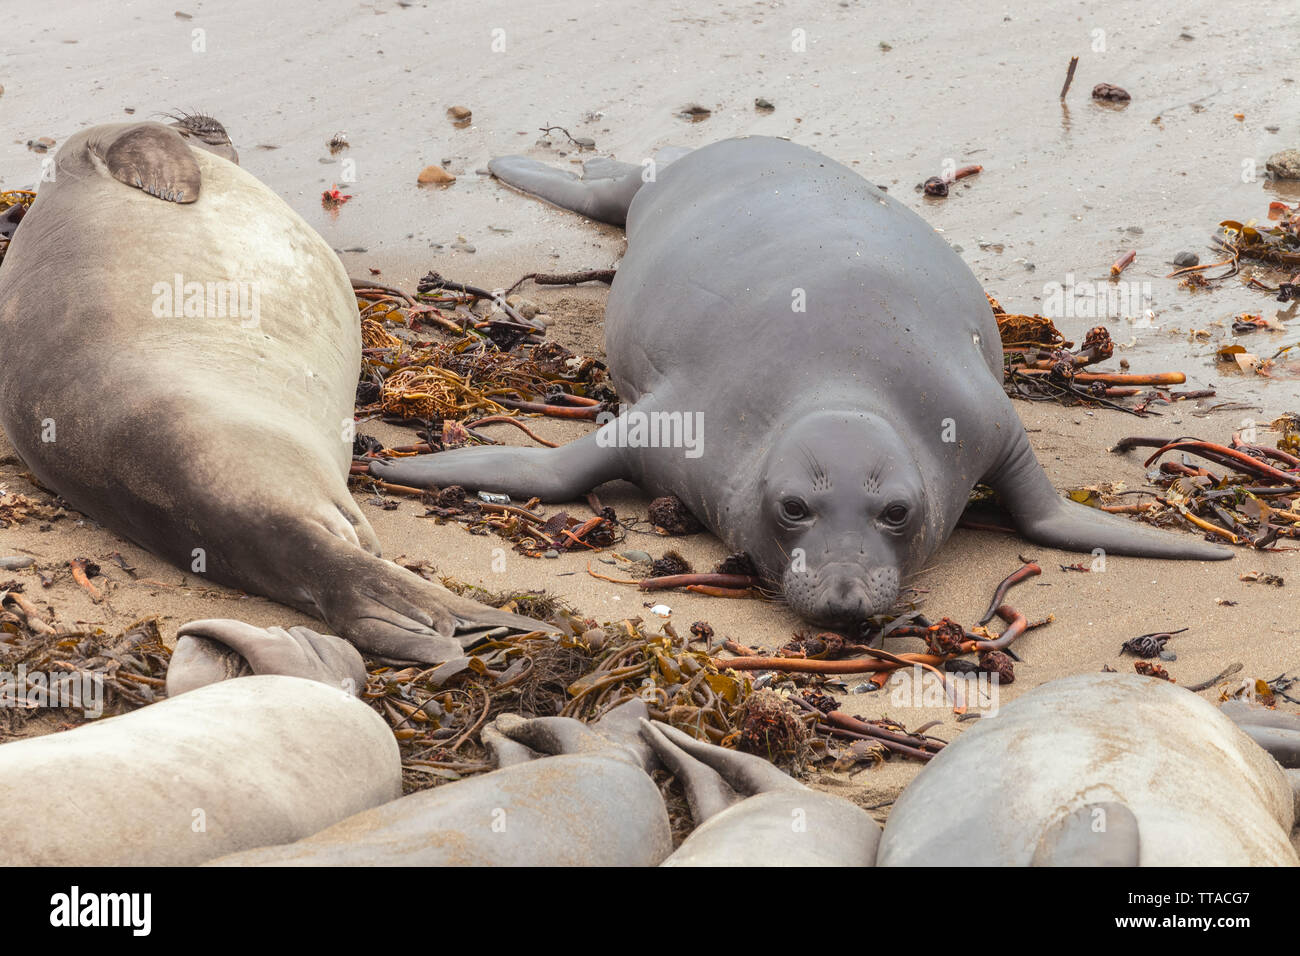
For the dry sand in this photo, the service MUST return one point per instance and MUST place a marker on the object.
(1063, 190)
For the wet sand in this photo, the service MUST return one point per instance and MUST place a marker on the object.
(1064, 190)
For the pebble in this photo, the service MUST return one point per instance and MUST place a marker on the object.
(552, 553)
(637, 556)
(663, 610)
(1185, 259)
(585, 142)
(764, 105)
(459, 112)
(525, 307)
(462, 247)
(1168, 656)
(16, 562)
(435, 174)
(1285, 164)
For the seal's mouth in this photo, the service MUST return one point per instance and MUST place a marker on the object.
(841, 595)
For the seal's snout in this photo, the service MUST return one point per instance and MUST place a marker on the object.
(841, 595)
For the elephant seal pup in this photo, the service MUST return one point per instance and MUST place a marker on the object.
(1098, 769)
(214, 650)
(590, 804)
(232, 766)
(811, 368)
(200, 403)
(749, 813)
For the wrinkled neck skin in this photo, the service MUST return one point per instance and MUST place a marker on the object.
(840, 508)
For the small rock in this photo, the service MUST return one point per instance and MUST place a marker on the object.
(525, 307)
(463, 247)
(1285, 164)
(16, 562)
(552, 553)
(637, 557)
(482, 171)
(763, 105)
(1184, 259)
(663, 610)
(40, 145)
(459, 112)
(1168, 656)
(1107, 91)
(585, 142)
(695, 113)
(544, 320)
(435, 174)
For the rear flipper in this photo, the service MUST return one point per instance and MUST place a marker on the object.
(552, 474)
(1044, 517)
(1098, 834)
(213, 650)
(749, 813)
(514, 739)
(604, 192)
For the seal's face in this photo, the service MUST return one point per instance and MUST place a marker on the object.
(206, 132)
(843, 517)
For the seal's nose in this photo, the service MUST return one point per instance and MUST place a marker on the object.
(851, 597)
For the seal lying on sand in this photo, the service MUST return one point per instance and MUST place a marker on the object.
(235, 765)
(1098, 769)
(180, 360)
(589, 803)
(812, 370)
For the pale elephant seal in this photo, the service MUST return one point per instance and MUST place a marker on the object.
(180, 359)
(749, 813)
(812, 370)
(232, 766)
(1100, 769)
(214, 650)
(587, 801)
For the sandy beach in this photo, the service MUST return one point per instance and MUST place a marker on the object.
(1064, 191)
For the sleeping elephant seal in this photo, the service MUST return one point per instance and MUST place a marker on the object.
(811, 368)
(180, 359)
(566, 794)
(1100, 769)
(235, 765)
(749, 813)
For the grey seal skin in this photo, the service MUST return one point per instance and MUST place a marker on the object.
(1100, 770)
(566, 794)
(228, 767)
(839, 358)
(218, 649)
(749, 813)
(219, 440)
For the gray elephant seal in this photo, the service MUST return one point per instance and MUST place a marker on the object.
(812, 370)
(565, 795)
(214, 650)
(1100, 769)
(749, 813)
(236, 765)
(200, 401)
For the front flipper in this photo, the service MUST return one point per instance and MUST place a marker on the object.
(1098, 834)
(1044, 517)
(149, 156)
(552, 474)
(605, 196)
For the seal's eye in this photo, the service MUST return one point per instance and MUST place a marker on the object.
(895, 515)
(792, 509)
